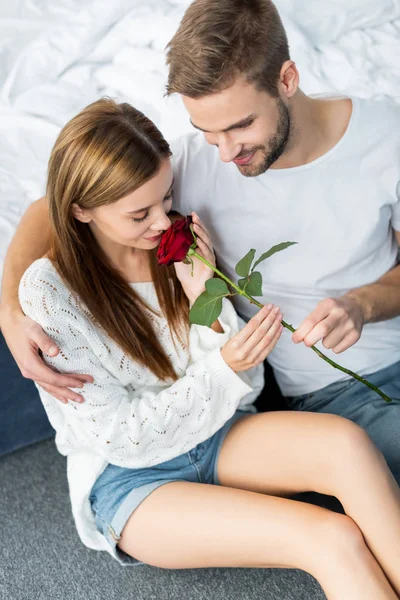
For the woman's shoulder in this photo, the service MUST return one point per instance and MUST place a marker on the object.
(42, 274)
(42, 266)
(42, 290)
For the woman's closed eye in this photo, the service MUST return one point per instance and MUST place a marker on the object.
(141, 219)
(168, 198)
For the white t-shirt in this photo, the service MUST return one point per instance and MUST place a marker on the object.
(342, 209)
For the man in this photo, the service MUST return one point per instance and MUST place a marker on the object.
(323, 172)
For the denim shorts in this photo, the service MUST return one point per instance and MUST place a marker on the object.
(119, 491)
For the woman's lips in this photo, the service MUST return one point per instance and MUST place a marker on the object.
(154, 239)
(244, 160)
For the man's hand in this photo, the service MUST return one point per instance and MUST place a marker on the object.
(25, 339)
(338, 322)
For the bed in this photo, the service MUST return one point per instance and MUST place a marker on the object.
(56, 56)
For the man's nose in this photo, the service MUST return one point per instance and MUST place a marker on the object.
(227, 150)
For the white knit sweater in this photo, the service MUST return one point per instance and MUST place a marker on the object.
(129, 417)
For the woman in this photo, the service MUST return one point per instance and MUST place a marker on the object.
(167, 463)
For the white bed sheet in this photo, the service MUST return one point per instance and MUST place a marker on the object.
(56, 56)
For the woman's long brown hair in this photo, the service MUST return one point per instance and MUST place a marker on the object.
(103, 154)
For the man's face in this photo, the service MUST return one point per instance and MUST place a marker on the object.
(249, 127)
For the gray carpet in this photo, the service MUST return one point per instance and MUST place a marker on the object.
(42, 558)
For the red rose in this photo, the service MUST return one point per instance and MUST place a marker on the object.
(175, 242)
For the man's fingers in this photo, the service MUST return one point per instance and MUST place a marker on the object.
(62, 394)
(318, 315)
(334, 338)
(80, 377)
(304, 330)
(44, 342)
(39, 371)
(319, 332)
(55, 392)
(350, 339)
(342, 337)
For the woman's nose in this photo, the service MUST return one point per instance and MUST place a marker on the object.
(161, 223)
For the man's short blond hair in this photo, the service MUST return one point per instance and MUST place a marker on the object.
(219, 40)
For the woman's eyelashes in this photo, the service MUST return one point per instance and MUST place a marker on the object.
(141, 219)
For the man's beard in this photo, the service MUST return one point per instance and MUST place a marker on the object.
(276, 145)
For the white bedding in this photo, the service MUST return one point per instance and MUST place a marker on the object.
(56, 56)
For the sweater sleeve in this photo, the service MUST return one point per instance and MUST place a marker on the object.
(130, 425)
(204, 339)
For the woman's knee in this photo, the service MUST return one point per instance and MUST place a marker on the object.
(338, 542)
(351, 446)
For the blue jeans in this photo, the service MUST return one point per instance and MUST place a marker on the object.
(23, 420)
(352, 399)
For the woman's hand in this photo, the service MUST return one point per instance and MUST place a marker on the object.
(254, 342)
(194, 285)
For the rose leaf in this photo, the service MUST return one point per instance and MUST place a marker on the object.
(272, 251)
(243, 266)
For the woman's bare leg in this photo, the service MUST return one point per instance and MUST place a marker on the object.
(283, 453)
(185, 525)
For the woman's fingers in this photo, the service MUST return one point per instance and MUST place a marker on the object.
(201, 231)
(197, 221)
(268, 341)
(265, 331)
(255, 341)
(201, 237)
(205, 251)
(265, 352)
(244, 334)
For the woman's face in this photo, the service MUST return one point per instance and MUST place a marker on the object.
(137, 220)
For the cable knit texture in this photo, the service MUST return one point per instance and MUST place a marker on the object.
(129, 417)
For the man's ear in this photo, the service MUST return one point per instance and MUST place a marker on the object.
(80, 213)
(289, 78)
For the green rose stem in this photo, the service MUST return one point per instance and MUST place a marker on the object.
(192, 252)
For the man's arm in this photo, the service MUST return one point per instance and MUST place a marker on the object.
(338, 322)
(31, 241)
(381, 300)
(23, 336)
